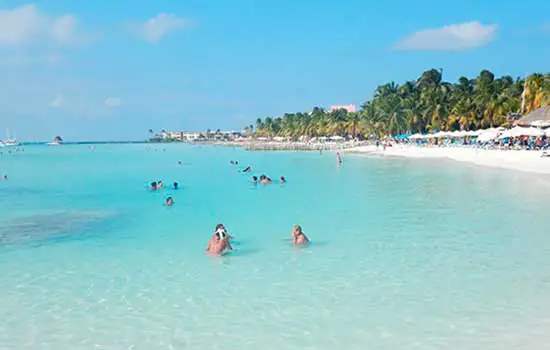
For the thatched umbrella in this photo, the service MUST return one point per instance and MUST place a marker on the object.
(539, 117)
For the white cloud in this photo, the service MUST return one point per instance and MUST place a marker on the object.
(113, 102)
(454, 37)
(156, 28)
(26, 24)
(57, 101)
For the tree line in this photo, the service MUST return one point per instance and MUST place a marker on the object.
(426, 104)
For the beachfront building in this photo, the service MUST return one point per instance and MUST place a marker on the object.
(347, 108)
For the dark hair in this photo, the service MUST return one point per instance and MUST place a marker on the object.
(154, 184)
(218, 226)
(175, 184)
(169, 199)
(282, 177)
(254, 178)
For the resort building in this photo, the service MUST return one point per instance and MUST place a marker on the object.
(348, 108)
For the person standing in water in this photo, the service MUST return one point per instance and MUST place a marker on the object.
(219, 242)
(338, 158)
(298, 236)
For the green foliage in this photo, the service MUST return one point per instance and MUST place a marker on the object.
(425, 105)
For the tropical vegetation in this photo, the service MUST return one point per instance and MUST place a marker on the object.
(426, 104)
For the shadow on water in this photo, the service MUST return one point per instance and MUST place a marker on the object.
(52, 228)
(312, 243)
(243, 252)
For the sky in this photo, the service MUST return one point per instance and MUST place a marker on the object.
(112, 70)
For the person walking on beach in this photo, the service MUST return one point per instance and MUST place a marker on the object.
(298, 236)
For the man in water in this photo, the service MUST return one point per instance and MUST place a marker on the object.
(254, 180)
(298, 236)
(338, 158)
(153, 186)
(247, 169)
(175, 185)
(169, 201)
(282, 180)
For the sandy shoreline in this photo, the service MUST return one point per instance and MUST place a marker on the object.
(528, 161)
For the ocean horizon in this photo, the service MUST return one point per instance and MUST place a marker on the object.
(404, 254)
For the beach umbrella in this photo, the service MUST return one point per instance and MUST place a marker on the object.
(520, 131)
(488, 135)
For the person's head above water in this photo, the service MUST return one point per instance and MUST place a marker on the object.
(153, 185)
(297, 229)
(254, 179)
(175, 185)
(169, 201)
(282, 179)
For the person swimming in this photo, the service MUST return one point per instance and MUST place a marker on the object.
(154, 186)
(282, 180)
(254, 180)
(169, 201)
(6, 177)
(219, 242)
(298, 236)
(247, 169)
(265, 180)
(160, 184)
(175, 185)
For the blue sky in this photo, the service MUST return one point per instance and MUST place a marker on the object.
(107, 69)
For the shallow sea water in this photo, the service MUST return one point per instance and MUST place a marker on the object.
(405, 254)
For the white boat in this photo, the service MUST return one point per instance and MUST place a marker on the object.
(9, 141)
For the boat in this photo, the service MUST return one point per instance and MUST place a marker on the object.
(57, 141)
(9, 141)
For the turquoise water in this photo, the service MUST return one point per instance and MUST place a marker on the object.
(405, 254)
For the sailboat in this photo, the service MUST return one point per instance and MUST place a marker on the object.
(9, 141)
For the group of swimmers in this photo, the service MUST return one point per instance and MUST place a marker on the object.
(263, 179)
(220, 243)
(158, 185)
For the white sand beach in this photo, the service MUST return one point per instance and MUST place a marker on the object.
(529, 161)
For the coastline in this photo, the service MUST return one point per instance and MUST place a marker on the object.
(526, 161)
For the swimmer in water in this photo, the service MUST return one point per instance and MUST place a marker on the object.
(247, 169)
(153, 186)
(6, 177)
(282, 180)
(254, 180)
(219, 241)
(160, 184)
(338, 158)
(179, 162)
(175, 185)
(169, 201)
(298, 236)
(265, 180)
